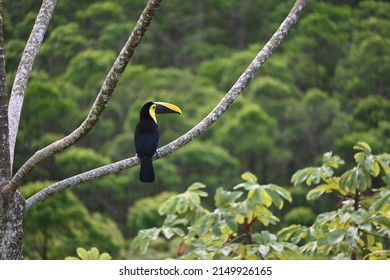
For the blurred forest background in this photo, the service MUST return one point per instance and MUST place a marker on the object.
(326, 87)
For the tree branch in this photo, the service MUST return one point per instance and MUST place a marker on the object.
(101, 101)
(24, 70)
(5, 166)
(223, 105)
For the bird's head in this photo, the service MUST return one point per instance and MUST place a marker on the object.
(150, 109)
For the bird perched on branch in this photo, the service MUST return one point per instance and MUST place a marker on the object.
(146, 135)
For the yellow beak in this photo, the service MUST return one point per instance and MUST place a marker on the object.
(163, 108)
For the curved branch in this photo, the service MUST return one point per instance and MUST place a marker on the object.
(101, 101)
(24, 70)
(222, 106)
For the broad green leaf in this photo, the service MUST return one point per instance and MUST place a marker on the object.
(173, 220)
(200, 227)
(151, 233)
(360, 158)
(325, 217)
(169, 206)
(326, 171)
(286, 233)
(224, 198)
(216, 224)
(265, 198)
(336, 236)
(231, 222)
(82, 253)
(254, 195)
(276, 198)
(225, 250)
(262, 220)
(331, 161)
(384, 161)
(380, 203)
(315, 193)
(363, 146)
(383, 221)
(249, 177)
(310, 247)
(277, 247)
(349, 181)
(297, 236)
(194, 198)
(196, 186)
(267, 219)
(364, 179)
(168, 232)
(360, 217)
(375, 169)
(178, 231)
(282, 192)
(264, 237)
(105, 256)
(314, 177)
(143, 238)
(183, 203)
(301, 175)
(252, 251)
(370, 240)
(93, 253)
(326, 157)
(263, 249)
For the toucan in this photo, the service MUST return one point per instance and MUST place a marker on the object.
(146, 135)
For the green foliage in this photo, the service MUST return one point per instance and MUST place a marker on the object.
(300, 215)
(63, 223)
(76, 160)
(225, 232)
(92, 254)
(59, 49)
(360, 227)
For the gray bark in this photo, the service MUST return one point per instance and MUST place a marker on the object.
(24, 69)
(5, 167)
(11, 205)
(11, 227)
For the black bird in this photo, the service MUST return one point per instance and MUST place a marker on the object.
(146, 135)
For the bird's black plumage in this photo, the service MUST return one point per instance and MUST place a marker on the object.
(146, 136)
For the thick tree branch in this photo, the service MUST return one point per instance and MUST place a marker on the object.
(100, 103)
(24, 69)
(5, 166)
(223, 105)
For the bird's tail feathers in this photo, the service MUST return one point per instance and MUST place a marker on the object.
(146, 173)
